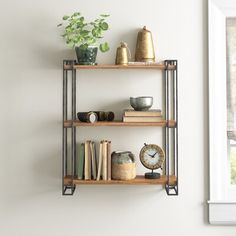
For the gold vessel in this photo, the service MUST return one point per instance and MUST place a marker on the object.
(122, 54)
(144, 48)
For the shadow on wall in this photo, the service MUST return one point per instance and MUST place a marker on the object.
(51, 57)
(48, 165)
(47, 153)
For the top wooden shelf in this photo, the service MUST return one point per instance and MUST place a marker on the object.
(111, 66)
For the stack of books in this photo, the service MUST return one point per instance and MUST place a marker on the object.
(142, 116)
(91, 165)
(159, 62)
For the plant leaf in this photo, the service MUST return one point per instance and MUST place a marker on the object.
(84, 33)
(94, 32)
(104, 15)
(65, 17)
(76, 14)
(104, 47)
(84, 46)
(104, 26)
(79, 32)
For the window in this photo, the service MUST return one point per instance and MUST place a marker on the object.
(232, 160)
(231, 95)
(222, 111)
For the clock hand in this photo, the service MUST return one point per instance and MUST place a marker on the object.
(153, 155)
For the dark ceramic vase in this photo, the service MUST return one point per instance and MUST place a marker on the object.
(86, 56)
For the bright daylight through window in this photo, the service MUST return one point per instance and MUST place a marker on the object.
(222, 111)
(231, 95)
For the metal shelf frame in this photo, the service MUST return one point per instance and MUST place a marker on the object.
(170, 134)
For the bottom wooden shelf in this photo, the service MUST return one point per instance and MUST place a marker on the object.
(139, 180)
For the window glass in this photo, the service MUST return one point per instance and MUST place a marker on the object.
(231, 95)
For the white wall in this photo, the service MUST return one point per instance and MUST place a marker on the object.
(31, 88)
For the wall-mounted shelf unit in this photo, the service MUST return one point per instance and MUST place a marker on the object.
(169, 125)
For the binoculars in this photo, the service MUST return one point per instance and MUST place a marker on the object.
(93, 116)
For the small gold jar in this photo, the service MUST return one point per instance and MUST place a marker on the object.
(122, 54)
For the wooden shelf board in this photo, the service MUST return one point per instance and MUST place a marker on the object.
(112, 66)
(70, 123)
(139, 180)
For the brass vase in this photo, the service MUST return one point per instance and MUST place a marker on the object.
(144, 48)
(122, 54)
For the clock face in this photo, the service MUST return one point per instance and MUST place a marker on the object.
(152, 156)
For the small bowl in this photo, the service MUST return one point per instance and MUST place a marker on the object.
(141, 103)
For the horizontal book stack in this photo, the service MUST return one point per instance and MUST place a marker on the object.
(142, 116)
(146, 63)
(94, 165)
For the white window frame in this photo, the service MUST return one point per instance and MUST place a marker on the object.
(222, 202)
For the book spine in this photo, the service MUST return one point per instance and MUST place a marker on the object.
(99, 161)
(89, 161)
(95, 159)
(104, 160)
(94, 168)
(142, 114)
(87, 164)
(142, 119)
(109, 160)
(158, 62)
(81, 161)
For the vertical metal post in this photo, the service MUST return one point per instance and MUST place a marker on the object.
(73, 115)
(64, 130)
(67, 189)
(167, 127)
(164, 110)
(171, 104)
(174, 117)
(176, 128)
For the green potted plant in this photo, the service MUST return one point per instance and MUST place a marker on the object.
(84, 36)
